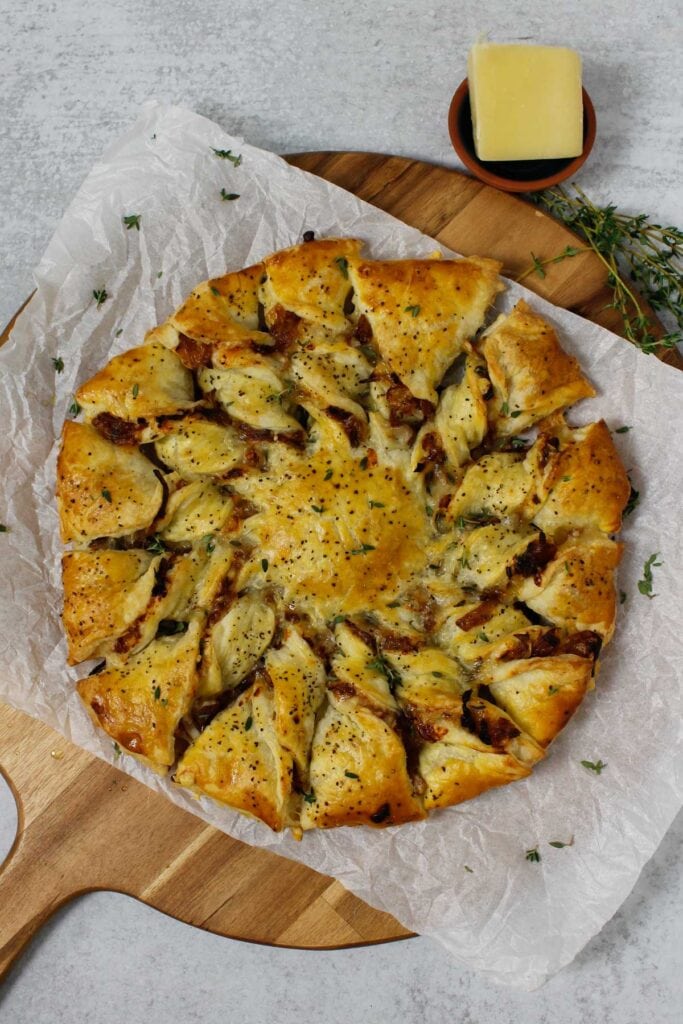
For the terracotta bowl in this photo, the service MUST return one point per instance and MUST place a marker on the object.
(514, 175)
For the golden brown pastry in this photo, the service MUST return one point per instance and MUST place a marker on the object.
(422, 312)
(306, 288)
(103, 489)
(239, 761)
(223, 312)
(540, 694)
(531, 374)
(144, 382)
(589, 486)
(335, 578)
(104, 593)
(141, 703)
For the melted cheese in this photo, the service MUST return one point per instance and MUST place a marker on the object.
(312, 500)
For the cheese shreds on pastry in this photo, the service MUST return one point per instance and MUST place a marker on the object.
(422, 312)
(103, 489)
(140, 704)
(308, 542)
(104, 592)
(143, 382)
(532, 375)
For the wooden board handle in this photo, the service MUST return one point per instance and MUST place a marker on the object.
(30, 891)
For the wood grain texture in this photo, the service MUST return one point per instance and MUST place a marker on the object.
(83, 825)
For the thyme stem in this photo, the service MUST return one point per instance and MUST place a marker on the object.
(630, 247)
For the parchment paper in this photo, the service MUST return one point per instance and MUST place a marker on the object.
(514, 920)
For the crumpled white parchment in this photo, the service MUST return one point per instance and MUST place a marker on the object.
(516, 921)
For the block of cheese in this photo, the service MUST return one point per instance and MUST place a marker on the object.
(526, 101)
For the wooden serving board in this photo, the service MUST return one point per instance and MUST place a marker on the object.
(84, 825)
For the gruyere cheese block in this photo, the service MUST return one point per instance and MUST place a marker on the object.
(526, 101)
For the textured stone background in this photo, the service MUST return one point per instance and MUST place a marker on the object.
(296, 75)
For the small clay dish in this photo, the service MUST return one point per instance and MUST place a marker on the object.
(514, 175)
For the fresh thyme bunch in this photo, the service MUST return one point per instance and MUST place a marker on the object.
(635, 251)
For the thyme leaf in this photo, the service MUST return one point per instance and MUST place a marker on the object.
(645, 585)
(227, 154)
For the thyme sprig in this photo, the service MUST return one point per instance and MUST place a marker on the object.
(538, 265)
(634, 251)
